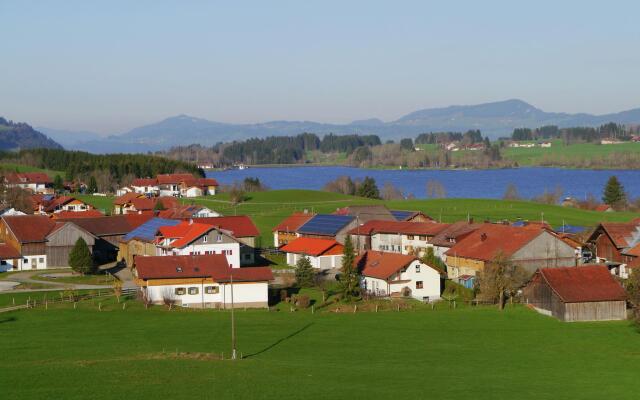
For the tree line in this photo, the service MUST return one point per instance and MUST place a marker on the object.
(574, 134)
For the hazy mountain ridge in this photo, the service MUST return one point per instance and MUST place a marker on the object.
(19, 135)
(493, 119)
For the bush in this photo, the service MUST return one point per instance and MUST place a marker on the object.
(303, 301)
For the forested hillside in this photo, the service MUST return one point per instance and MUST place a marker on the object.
(18, 135)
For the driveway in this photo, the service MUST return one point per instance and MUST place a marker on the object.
(26, 277)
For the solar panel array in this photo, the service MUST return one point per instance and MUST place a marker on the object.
(400, 215)
(147, 231)
(325, 224)
(572, 229)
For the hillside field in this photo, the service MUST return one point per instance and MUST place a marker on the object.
(26, 168)
(466, 353)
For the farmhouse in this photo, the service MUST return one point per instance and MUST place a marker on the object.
(322, 253)
(41, 242)
(36, 182)
(148, 186)
(202, 281)
(410, 216)
(122, 204)
(616, 245)
(395, 236)
(328, 226)
(50, 204)
(529, 247)
(188, 211)
(449, 236)
(367, 213)
(242, 228)
(141, 240)
(587, 293)
(285, 231)
(389, 274)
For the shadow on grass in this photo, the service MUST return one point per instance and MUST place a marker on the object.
(10, 319)
(277, 342)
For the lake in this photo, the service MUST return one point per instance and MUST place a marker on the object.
(490, 183)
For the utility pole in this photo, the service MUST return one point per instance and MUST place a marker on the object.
(233, 323)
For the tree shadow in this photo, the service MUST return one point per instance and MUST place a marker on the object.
(277, 342)
(10, 319)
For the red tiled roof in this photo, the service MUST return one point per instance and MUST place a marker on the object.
(78, 214)
(455, 231)
(127, 198)
(144, 182)
(8, 252)
(201, 266)
(111, 225)
(619, 232)
(237, 225)
(293, 222)
(583, 284)
(58, 201)
(633, 251)
(381, 265)
(603, 207)
(180, 212)
(164, 179)
(402, 227)
(145, 204)
(184, 232)
(313, 247)
(490, 240)
(30, 228)
(28, 177)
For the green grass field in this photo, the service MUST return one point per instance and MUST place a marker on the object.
(467, 353)
(25, 168)
(267, 209)
(102, 203)
(561, 154)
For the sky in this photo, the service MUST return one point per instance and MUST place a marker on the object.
(109, 66)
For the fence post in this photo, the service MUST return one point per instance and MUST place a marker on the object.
(100, 306)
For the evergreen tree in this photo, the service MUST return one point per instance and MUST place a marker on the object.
(93, 185)
(305, 277)
(368, 189)
(80, 259)
(614, 194)
(349, 279)
(58, 185)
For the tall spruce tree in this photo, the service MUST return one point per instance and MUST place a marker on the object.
(80, 259)
(349, 279)
(368, 188)
(614, 194)
(93, 185)
(305, 277)
(58, 184)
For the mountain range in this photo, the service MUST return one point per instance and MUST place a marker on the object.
(493, 119)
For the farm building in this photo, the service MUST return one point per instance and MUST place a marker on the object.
(322, 253)
(586, 293)
(328, 226)
(202, 281)
(285, 232)
(616, 245)
(392, 274)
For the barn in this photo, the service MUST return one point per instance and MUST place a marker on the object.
(587, 293)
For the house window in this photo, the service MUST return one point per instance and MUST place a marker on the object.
(25, 261)
(423, 238)
(41, 260)
(193, 290)
(410, 237)
(205, 238)
(418, 269)
(419, 285)
(179, 291)
(212, 289)
(219, 238)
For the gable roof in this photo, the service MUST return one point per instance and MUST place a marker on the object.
(325, 224)
(149, 204)
(236, 225)
(367, 212)
(199, 266)
(293, 222)
(184, 233)
(455, 231)
(27, 177)
(602, 207)
(184, 211)
(313, 246)
(490, 240)
(111, 225)
(166, 179)
(147, 231)
(405, 215)
(401, 227)
(619, 232)
(583, 284)
(29, 228)
(127, 198)
(144, 182)
(382, 265)
(78, 214)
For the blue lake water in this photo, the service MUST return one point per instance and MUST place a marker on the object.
(458, 183)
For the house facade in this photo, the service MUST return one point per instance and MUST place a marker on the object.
(323, 254)
(36, 182)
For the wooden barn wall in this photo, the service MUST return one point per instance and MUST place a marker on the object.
(596, 311)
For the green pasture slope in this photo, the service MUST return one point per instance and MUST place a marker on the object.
(467, 353)
(25, 168)
(267, 209)
(561, 153)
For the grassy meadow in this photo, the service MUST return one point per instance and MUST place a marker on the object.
(25, 168)
(560, 154)
(465, 353)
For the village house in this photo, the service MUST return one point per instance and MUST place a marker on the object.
(586, 293)
(242, 228)
(141, 241)
(395, 236)
(36, 182)
(285, 231)
(617, 244)
(41, 242)
(188, 211)
(202, 281)
(323, 254)
(327, 226)
(604, 208)
(410, 216)
(122, 204)
(450, 235)
(191, 238)
(132, 204)
(389, 274)
(364, 213)
(50, 204)
(530, 247)
(146, 186)
(174, 185)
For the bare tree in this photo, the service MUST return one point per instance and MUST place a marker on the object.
(116, 286)
(168, 298)
(511, 193)
(390, 192)
(500, 279)
(435, 189)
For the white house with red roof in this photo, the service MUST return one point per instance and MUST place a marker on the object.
(147, 186)
(396, 236)
(34, 181)
(398, 275)
(176, 185)
(192, 238)
(324, 254)
(201, 281)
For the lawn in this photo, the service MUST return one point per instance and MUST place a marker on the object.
(467, 353)
(25, 168)
(560, 154)
(102, 203)
(267, 209)
(101, 279)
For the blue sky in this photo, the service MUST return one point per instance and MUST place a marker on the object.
(110, 66)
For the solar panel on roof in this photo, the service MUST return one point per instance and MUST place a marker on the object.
(147, 231)
(401, 215)
(325, 224)
(573, 229)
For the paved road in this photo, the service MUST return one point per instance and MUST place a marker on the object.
(26, 277)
